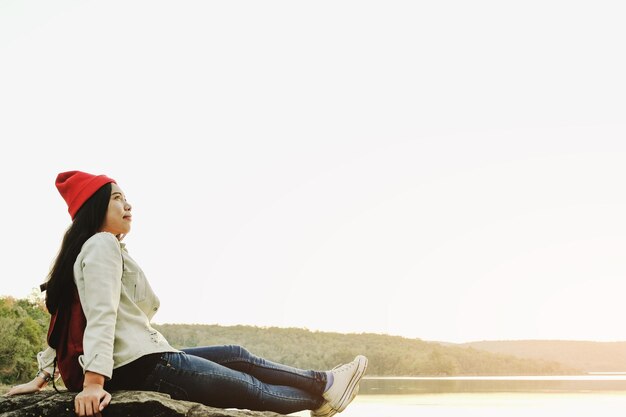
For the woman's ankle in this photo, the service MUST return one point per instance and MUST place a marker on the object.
(330, 378)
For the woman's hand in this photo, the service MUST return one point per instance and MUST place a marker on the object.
(93, 398)
(28, 388)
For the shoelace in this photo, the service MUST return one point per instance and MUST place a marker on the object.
(342, 367)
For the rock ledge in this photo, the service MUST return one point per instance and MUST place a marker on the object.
(124, 404)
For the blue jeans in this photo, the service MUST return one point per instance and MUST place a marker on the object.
(231, 377)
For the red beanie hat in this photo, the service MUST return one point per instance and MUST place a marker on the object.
(76, 187)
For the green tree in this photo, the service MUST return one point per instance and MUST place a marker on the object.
(23, 326)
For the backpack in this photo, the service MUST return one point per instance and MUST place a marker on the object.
(65, 334)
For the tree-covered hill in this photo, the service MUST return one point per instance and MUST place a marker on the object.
(584, 355)
(389, 355)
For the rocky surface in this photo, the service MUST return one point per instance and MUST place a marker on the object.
(124, 404)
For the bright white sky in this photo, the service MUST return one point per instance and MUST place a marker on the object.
(447, 170)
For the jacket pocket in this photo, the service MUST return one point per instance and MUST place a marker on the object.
(135, 285)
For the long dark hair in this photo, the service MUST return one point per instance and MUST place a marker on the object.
(87, 222)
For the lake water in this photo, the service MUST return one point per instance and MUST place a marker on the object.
(597, 395)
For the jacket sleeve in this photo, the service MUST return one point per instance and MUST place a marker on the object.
(99, 287)
(45, 360)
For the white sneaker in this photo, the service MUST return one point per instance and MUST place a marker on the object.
(327, 411)
(345, 380)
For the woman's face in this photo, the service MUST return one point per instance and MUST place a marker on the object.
(118, 217)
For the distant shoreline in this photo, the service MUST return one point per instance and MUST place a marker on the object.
(611, 376)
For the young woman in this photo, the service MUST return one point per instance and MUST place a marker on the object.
(123, 351)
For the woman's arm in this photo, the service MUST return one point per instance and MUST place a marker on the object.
(98, 279)
(37, 384)
(98, 275)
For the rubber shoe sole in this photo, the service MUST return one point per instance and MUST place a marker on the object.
(327, 411)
